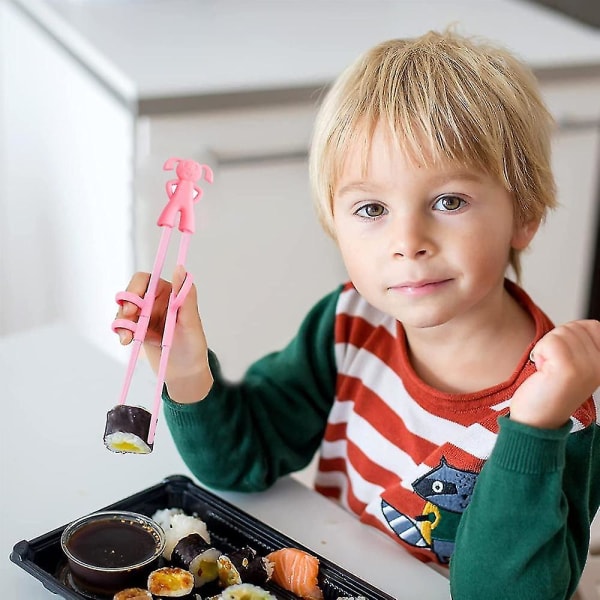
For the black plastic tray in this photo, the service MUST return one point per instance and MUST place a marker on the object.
(230, 528)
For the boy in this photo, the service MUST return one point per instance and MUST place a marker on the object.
(449, 413)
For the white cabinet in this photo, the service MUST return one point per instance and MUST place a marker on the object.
(259, 258)
(557, 269)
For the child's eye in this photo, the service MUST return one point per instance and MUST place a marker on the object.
(372, 210)
(449, 203)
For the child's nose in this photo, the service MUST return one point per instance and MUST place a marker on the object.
(411, 238)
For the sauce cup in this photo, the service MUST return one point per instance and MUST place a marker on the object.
(111, 550)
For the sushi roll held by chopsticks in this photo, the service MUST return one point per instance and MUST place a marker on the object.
(127, 429)
(131, 429)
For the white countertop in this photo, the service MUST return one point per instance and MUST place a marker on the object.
(153, 49)
(57, 389)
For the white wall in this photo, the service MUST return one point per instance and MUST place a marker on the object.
(59, 249)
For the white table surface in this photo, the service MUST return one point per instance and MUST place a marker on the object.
(145, 49)
(57, 389)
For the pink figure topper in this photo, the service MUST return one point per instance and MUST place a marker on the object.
(183, 193)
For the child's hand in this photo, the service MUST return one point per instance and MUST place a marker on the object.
(188, 376)
(567, 360)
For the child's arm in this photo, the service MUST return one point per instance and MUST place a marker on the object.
(567, 360)
(526, 531)
(525, 534)
(188, 377)
(245, 435)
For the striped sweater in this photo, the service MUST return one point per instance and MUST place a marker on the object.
(448, 476)
(398, 453)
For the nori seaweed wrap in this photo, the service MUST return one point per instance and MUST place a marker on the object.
(243, 566)
(127, 429)
(197, 556)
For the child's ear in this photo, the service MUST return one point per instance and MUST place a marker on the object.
(523, 234)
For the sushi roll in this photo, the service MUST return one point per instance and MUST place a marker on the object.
(245, 591)
(170, 582)
(133, 594)
(127, 429)
(179, 526)
(243, 566)
(197, 556)
(296, 571)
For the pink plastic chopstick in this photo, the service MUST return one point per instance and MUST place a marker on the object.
(182, 193)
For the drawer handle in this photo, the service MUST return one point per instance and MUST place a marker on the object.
(238, 160)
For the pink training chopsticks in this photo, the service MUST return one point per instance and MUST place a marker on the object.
(131, 429)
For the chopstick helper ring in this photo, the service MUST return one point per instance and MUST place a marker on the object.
(131, 429)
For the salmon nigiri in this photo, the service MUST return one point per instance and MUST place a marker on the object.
(296, 571)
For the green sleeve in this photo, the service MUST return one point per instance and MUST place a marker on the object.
(525, 533)
(245, 435)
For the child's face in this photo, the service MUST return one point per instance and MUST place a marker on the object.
(428, 245)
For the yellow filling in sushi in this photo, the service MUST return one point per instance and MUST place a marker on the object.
(125, 446)
(208, 570)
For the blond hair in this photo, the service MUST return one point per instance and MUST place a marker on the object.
(444, 97)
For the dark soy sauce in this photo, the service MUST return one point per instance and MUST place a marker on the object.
(112, 544)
